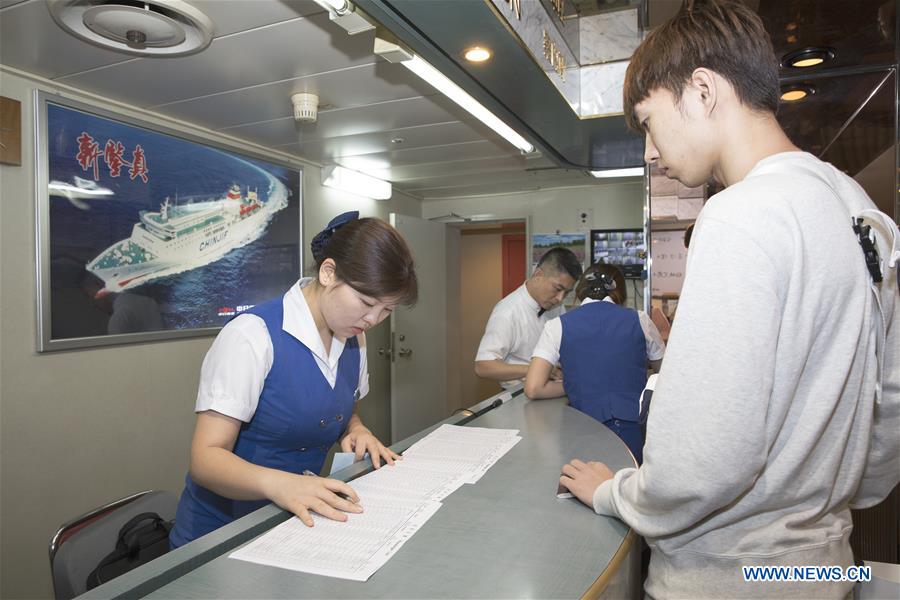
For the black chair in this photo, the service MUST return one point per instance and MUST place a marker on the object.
(79, 546)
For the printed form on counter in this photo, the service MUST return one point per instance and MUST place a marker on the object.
(398, 500)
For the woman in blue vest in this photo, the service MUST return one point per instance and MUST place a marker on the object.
(280, 385)
(604, 349)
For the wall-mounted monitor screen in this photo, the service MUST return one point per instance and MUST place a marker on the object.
(625, 248)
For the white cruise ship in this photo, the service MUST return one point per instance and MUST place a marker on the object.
(182, 237)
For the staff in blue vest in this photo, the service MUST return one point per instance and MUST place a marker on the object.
(281, 382)
(605, 349)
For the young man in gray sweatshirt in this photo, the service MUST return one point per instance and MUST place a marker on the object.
(778, 405)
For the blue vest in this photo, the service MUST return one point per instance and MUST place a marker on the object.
(298, 418)
(604, 360)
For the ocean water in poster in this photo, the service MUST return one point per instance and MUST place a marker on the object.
(152, 232)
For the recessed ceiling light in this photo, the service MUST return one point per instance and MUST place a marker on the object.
(477, 54)
(795, 93)
(807, 57)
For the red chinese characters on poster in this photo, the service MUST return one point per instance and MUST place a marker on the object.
(89, 154)
(112, 154)
(139, 164)
(88, 151)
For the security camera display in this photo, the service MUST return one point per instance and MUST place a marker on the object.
(625, 248)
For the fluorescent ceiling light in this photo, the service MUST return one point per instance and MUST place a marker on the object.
(629, 172)
(355, 182)
(461, 97)
(338, 7)
(343, 13)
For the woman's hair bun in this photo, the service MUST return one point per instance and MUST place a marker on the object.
(320, 242)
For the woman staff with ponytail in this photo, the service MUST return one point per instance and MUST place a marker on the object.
(605, 349)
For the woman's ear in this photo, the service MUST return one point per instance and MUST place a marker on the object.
(327, 273)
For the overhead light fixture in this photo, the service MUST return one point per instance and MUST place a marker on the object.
(796, 92)
(477, 54)
(629, 172)
(355, 182)
(338, 7)
(461, 97)
(148, 28)
(343, 13)
(394, 53)
(807, 57)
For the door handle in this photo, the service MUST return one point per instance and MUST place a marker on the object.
(386, 352)
(405, 352)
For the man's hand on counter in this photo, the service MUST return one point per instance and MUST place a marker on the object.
(583, 479)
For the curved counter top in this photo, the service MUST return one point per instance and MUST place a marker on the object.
(507, 536)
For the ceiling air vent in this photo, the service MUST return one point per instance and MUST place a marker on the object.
(153, 28)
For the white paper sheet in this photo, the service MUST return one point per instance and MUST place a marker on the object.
(410, 478)
(397, 500)
(353, 550)
(473, 449)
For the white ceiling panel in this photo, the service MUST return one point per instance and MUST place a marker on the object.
(287, 136)
(231, 16)
(440, 154)
(512, 176)
(466, 167)
(348, 88)
(523, 184)
(514, 181)
(263, 52)
(284, 51)
(31, 40)
(30, 35)
(328, 150)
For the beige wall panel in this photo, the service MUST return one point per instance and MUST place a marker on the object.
(81, 428)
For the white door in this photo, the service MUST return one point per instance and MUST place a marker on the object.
(419, 334)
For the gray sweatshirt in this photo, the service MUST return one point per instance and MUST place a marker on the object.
(764, 428)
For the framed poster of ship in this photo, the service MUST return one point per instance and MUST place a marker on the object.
(145, 233)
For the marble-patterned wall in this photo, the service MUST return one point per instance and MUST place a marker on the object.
(530, 25)
(595, 71)
(608, 36)
(601, 89)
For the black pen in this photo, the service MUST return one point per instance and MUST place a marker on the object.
(341, 494)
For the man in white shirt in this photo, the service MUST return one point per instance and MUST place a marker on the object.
(778, 404)
(516, 322)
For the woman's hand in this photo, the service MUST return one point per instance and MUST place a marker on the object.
(301, 494)
(556, 374)
(360, 440)
(540, 382)
(583, 479)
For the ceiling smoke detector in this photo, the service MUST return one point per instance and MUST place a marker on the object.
(151, 28)
(306, 107)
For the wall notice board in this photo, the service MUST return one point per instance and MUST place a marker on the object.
(668, 256)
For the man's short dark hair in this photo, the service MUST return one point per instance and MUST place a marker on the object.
(561, 260)
(724, 36)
